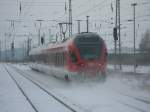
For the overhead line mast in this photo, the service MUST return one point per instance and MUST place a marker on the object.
(79, 25)
(120, 63)
(134, 47)
(87, 22)
(70, 18)
(117, 33)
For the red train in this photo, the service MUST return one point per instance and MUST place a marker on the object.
(83, 53)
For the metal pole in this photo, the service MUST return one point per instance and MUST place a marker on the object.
(50, 35)
(120, 65)
(134, 37)
(87, 23)
(5, 49)
(70, 18)
(78, 25)
(28, 46)
(60, 31)
(12, 50)
(38, 37)
(134, 4)
(115, 41)
(39, 32)
(0, 50)
(23, 51)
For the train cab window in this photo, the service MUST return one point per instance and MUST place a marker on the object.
(73, 57)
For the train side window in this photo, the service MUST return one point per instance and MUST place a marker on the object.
(59, 59)
(63, 58)
(56, 59)
(73, 57)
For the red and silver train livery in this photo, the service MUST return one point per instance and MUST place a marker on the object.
(83, 53)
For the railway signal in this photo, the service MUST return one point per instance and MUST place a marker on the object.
(115, 34)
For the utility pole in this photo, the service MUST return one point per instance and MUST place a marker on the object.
(87, 23)
(134, 4)
(23, 51)
(50, 38)
(120, 63)
(28, 45)
(12, 51)
(70, 18)
(78, 25)
(5, 48)
(39, 32)
(0, 51)
(62, 31)
(115, 40)
(117, 34)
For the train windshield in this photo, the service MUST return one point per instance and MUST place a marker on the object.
(89, 46)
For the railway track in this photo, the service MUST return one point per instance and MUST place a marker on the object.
(140, 100)
(22, 91)
(43, 89)
(124, 102)
(129, 103)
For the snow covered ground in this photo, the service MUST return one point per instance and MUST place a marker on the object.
(11, 99)
(119, 93)
(129, 68)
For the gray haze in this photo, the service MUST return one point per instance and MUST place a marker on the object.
(101, 13)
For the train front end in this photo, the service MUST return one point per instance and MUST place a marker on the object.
(88, 54)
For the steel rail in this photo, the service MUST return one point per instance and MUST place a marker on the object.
(43, 89)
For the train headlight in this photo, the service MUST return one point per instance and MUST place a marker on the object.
(82, 64)
(100, 64)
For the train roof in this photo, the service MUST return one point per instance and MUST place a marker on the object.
(41, 49)
(87, 34)
(62, 44)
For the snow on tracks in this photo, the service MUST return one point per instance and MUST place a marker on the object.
(39, 98)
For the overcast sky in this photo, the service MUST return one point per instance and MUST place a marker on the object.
(101, 12)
